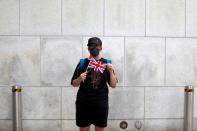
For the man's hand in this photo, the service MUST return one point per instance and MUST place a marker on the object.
(110, 67)
(83, 76)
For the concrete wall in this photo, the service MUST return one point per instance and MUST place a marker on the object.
(152, 44)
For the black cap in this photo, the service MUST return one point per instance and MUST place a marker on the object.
(94, 40)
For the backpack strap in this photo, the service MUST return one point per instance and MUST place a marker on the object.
(81, 63)
(108, 61)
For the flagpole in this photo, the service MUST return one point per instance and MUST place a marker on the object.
(87, 66)
(86, 69)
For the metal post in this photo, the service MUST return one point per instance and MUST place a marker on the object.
(189, 104)
(17, 110)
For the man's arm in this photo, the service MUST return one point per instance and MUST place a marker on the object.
(113, 80)
(82, 77)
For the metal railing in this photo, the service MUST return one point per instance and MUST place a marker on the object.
(188, 108)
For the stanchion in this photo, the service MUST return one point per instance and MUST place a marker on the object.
(17, 110)
(189, 104)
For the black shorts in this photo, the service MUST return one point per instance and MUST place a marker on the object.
(92, 113)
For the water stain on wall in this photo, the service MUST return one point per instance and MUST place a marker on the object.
(146, 69)
(11, 69)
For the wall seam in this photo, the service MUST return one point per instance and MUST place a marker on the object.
(145, 18)
(124, 62)
(36, 86)
(82, 47)
(165, 64)
(40, 61)
(61, 107)
(177, 37)
(185, 18)
(110, 119)
(61, 17)
(103, 17)
(19, 18)
(144, 104)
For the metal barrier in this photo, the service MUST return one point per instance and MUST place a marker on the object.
(17, 110)
(189, 106)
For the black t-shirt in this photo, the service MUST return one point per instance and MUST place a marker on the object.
(95, 85)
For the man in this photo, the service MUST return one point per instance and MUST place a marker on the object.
(92, 75)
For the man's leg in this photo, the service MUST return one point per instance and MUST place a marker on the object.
(84, 128)
(100, 128)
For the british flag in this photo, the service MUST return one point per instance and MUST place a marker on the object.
(97, 66)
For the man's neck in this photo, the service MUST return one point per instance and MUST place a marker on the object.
(96, 57)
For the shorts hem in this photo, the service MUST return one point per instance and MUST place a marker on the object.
(98, 125)
(83, 125)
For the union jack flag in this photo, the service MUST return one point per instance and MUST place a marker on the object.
(97, 66)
